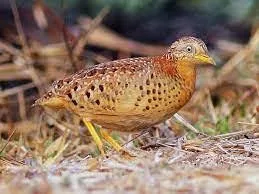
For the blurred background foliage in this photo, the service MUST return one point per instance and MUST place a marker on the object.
(164, 20)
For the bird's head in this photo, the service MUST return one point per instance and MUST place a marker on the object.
(190, 50)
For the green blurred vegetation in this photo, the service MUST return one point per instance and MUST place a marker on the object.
(237, 10)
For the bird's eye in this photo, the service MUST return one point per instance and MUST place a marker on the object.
(189, 49)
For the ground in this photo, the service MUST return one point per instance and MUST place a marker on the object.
(157, 171)
(227, 164)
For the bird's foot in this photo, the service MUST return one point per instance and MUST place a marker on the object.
(115, 145)
(126, 154)
(106, 136)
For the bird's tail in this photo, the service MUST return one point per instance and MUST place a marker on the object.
(50, 100)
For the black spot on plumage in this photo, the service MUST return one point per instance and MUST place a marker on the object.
(59, 84)
(88, 94)
(148, 82)
(97, 102)
(82, 75)
(69, 95)
(67, 80)
(101, 88)
(114, 70)
(101, 71)
(91, 72)
(74, 102)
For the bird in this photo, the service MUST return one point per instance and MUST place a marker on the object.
(132, 94)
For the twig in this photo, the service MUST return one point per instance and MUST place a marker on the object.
(25, 46)
(8, 48)
(187, 124)
(234, 133)
(35, 78)
(244, 123)
(8, 140)
(235, 60)
(16, 90)
(62, 126)
(11, 161)
(22, 106)
(211, 108)
(67, 44)
(139, 135)
(83, 38)
(19, 27)
(222, 149)
(193, 148)
(69, 50)
(106, 38)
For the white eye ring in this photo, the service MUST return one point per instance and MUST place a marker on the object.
(189, 49)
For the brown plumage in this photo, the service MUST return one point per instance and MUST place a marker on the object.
(135, 93)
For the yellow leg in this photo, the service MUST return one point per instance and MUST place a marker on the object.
(95, 136)
(114, 144)
(110, 140)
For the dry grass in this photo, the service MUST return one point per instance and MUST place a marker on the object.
(51, 152)
(163, 170)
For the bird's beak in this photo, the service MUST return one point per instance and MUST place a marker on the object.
(205, 59)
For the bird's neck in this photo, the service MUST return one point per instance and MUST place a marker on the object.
(188, 73)
(165, 64)
(186, 70)
(170, 66)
